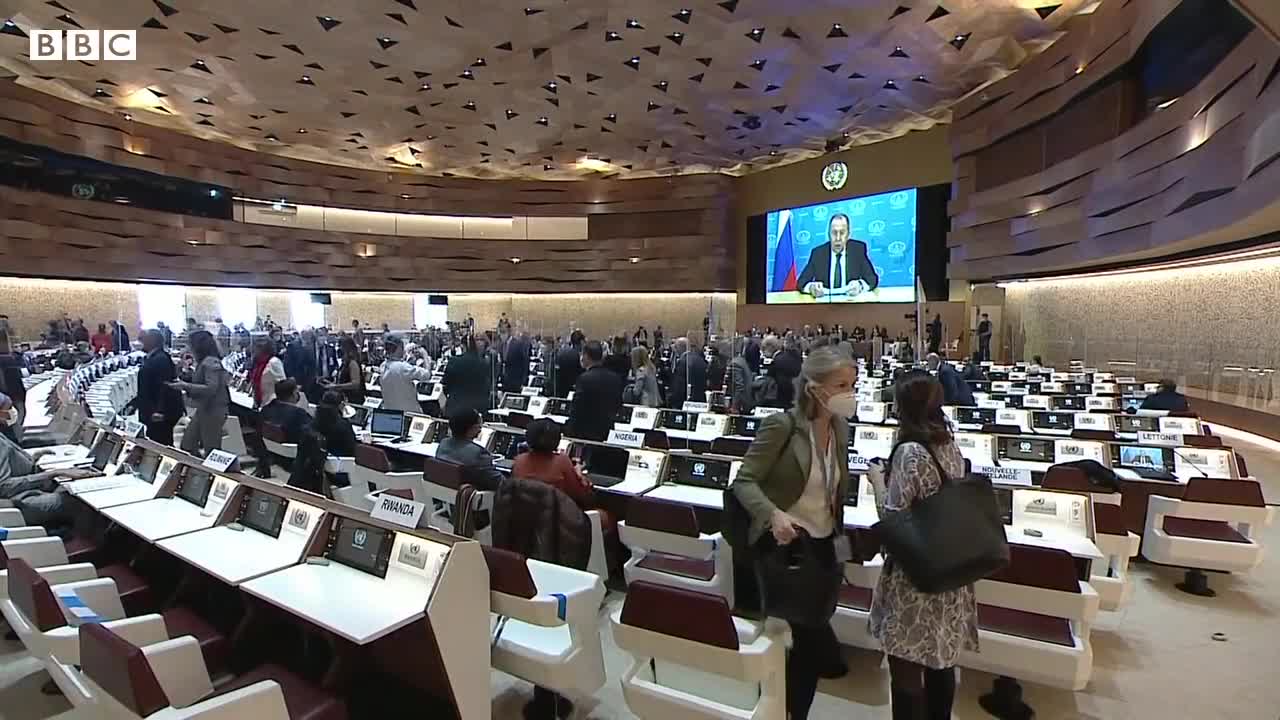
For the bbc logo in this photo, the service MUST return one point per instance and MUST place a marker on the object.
(88, 45)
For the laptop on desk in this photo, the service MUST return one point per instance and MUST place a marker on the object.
(604, 465)
(386, 425)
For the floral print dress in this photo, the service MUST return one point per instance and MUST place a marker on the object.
(925, 628)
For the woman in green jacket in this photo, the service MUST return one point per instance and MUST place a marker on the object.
(793, 479)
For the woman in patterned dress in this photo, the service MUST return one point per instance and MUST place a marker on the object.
(922, 633)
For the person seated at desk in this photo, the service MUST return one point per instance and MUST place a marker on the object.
(1166, 398)
(840, 266)
(288, 410)
(460, 448)
(34, 494)
(955, 390)
(399, 379)
(597, 396)
(542, 462)
(339, 437)
(8, 419)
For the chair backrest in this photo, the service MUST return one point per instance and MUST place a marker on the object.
(509, 572)
(405, 493)
(121, 669)
(679, 612)
(372, 457)
(1048, 568)
(442, 473)
(1103, 435)
(1202, 441)
(1070, 479)
(1183, 413)
(273, 432)
(464, 512)
(736, 447)
(662, 516)
(33, 597)
(657, 440)
(1108, 519)
(1224, 492)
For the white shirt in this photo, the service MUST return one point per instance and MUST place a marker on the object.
(399, 382)
(813, 510)
(273, 374)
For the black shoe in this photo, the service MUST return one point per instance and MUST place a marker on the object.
(834, 670)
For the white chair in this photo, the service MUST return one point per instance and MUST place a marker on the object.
(692, 660)
(233, 439)
(438, 489)
(1213, 526)
(546, 623)
(369, 472)
(599, 562)
(274, 438)
(668, 548)
(1109, 578)
(853, 606)
(14, 527)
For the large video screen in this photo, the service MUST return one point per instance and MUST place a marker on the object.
(859, 250)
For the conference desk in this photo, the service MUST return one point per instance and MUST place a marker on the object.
(237, 556)
(160, 518)
(880, 294)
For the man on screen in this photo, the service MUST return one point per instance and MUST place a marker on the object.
(839, 266)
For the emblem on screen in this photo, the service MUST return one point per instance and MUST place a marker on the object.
(898, 200)
(299, 519)
(1072, 450)
(857, 207)
(263, 505)
(359, 538)
(875, 228)
(1042, 506)
(699, 468)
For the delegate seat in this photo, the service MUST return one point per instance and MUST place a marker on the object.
(14, 527)
(1034, 619)
(736, 447)
(1213, 526)
(668, 548)
(1110, 578)
(1065, 478)
(273, 436)
(691, 659)
(168, 681)
(438, 487)
(546, 623)
(370, 472)
(853, 604)
(134, 591)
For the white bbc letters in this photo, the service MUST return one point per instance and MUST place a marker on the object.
(87, 45)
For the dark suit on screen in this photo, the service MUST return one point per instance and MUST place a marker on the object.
(857, 266)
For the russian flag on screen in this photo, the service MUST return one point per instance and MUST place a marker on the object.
(784, 257)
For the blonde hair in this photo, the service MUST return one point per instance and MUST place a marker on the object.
(640, 358)
(816, 369)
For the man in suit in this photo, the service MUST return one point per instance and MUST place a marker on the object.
(119, 338)
(515, 366)
(568, 365)
(300, 364)
(597, 397)
(955, 391)
(288, 411)
(467, 382)
(839, 266)
(689, 377)
(159, 406)
(460, 448)
(326, 356)
(1166, 398)
(984, 336)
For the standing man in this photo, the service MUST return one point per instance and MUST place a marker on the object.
(399, 379)
(569, 365)
(984, 337)
(955, 390)
(935, 333)
(689, 378)
(515, 366)
(467, 382)
(597, 397)
(119, 338)
(357, 334)
(223, 335)
(300, 364)
(159, 405)
(657, 338)
(325, 354)
(11, 382)
(839, 266)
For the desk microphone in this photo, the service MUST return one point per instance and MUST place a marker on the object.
(1192, 464)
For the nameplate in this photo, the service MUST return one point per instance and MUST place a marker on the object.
(402, 512)
(696, 407)
(1151, 387)
(133, 428)
(1059, 377)
(1126, 379)
(219, 460)
(1099, 403)
(871, 412)
(1180, 425)
(299, 519)
(1160, 438)
(530, 391)
(418, 429)
(858, 463)
(626, 439)
(1093, 421)
(569, 397)
(1005, 476)
(1071, 450)
(373, 402)
(991, 404)
(1103, 388)
(763, 411)
(1001, 386)
(1040, 402)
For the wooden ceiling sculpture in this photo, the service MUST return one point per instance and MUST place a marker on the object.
(548, 89)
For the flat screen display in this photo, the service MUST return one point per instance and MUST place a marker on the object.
(1145, 457)
(1052, 420)
(1012, 448)
(699, 471)
(195, 487)
(744, 425)
(976, 416)
(387, 422)
(505, 444)
(516, 402)
(104, 452)
(359, 416)
(624, 414)
(1139, 423)
(857, 250)
(263, 512)
(558, 406)
(1067, 402)
(147, 467)
(362, 547)
(602, 459)
(673, 420)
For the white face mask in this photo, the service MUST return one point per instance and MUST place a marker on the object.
(842, 405)
(11, 419)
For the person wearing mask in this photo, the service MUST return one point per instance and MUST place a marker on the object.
(208, 393)
(618, 361)
(101, 340)
(11, 384)
(596, 398)
(515, 364)
(159, 405)
(467, 382)
(955, 390)
(793, 479)
(32, 492)
(568, 365)
(784, 369)
(460, 448)
(119, 338)
(742, 375)
(399, 379)
(350, 372)
(543, 462)
(1166, 398)
(688, 376)
(984, 336)
(300, 363)
(646, 378)
(9, 419)
(922, 633)
(716, 368)
(333, 426)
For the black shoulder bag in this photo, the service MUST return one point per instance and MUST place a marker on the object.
(949, 539)
(736, 521)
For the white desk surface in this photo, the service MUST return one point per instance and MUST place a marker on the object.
(353, 604)
(243, 399)
(161, 518)
(1078, 546)
(114, 497)
(637, 484)
(61, 453)
(424, 449)
(236, 556)
(689, 495)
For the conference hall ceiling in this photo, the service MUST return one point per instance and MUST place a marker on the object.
(549, 89)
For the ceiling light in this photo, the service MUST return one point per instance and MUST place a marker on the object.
(404, 196)
(611, 117)
(278, 205)
(1080, 69)
(543, 120)
(10, 23)
(516, 260)
(425, 86)
(677, 35)
(213, 192)
(772, 153)
(546, 167)
(127, 116)
(200, 63)
(593, 164)
(302, 131)
(633, 23)
(685, 12)
(634, 260)
(551, 85)
(958, 38)
(1166, 103)
(467, 74)
(479, 62)
(306, 78)
(611, 36)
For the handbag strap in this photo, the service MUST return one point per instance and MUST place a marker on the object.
(942, 473)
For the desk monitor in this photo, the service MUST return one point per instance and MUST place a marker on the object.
(359, 416)
(975, 416)
(1026, 449)
(537, 382)
(427, 388)
(998, 376)
(1052, 420)
(1004, 502)
(1142, 456)
(1079, 388)
(195, 486)
(1139, 423)
(1013, 400)
(1130, 388)
(558, 406)
(505, 443)
(744, 425)
(1131, 404)
(624, 414)
(602, 460)
(980, 385)
(389, 423)
(673, 420)
(263, 512)
(363, 547)
(147, 467)
(518, 403)
(1067, 402)
(105, 452)
(698, 471)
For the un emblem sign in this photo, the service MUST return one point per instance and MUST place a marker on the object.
(834, 176)
(876, 228)
(857, 207)
(898, 200)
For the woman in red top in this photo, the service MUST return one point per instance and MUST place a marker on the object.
(542, 462)
(101, 341)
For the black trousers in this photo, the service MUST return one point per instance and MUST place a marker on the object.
(919, 692)
(161, 431)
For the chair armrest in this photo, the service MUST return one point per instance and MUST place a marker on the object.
(38, 552)
(64, 643)
(1081, 606)
(260, 701)
(646, 539)
(11, 518)
(99, 594)
(21, 532)
(179, 667)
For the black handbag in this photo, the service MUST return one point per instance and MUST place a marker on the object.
(949, 539)
(800, 581)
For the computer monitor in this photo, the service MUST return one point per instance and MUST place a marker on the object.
(359, 416)
(1079, 388)
(263, 512)
(1067, 402)
(698, 471)
(195, 486)
(624, 414)
(998, 375)
(975, 416)
(1131, 404)
(1052, 420)
(1142, 456)
(147, 467)
(519, 403)
(980, 385)
(427, 388)
(602, 459)
(744, 425)
(85, 435)
(558, 406)
(673, 420)
(106, 450)
(1012, 400)
(1025, 449)
(1004, 503)
(505, 443)
(387, 422)
(1138, 423)
(1130, 388)
(360, 546)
